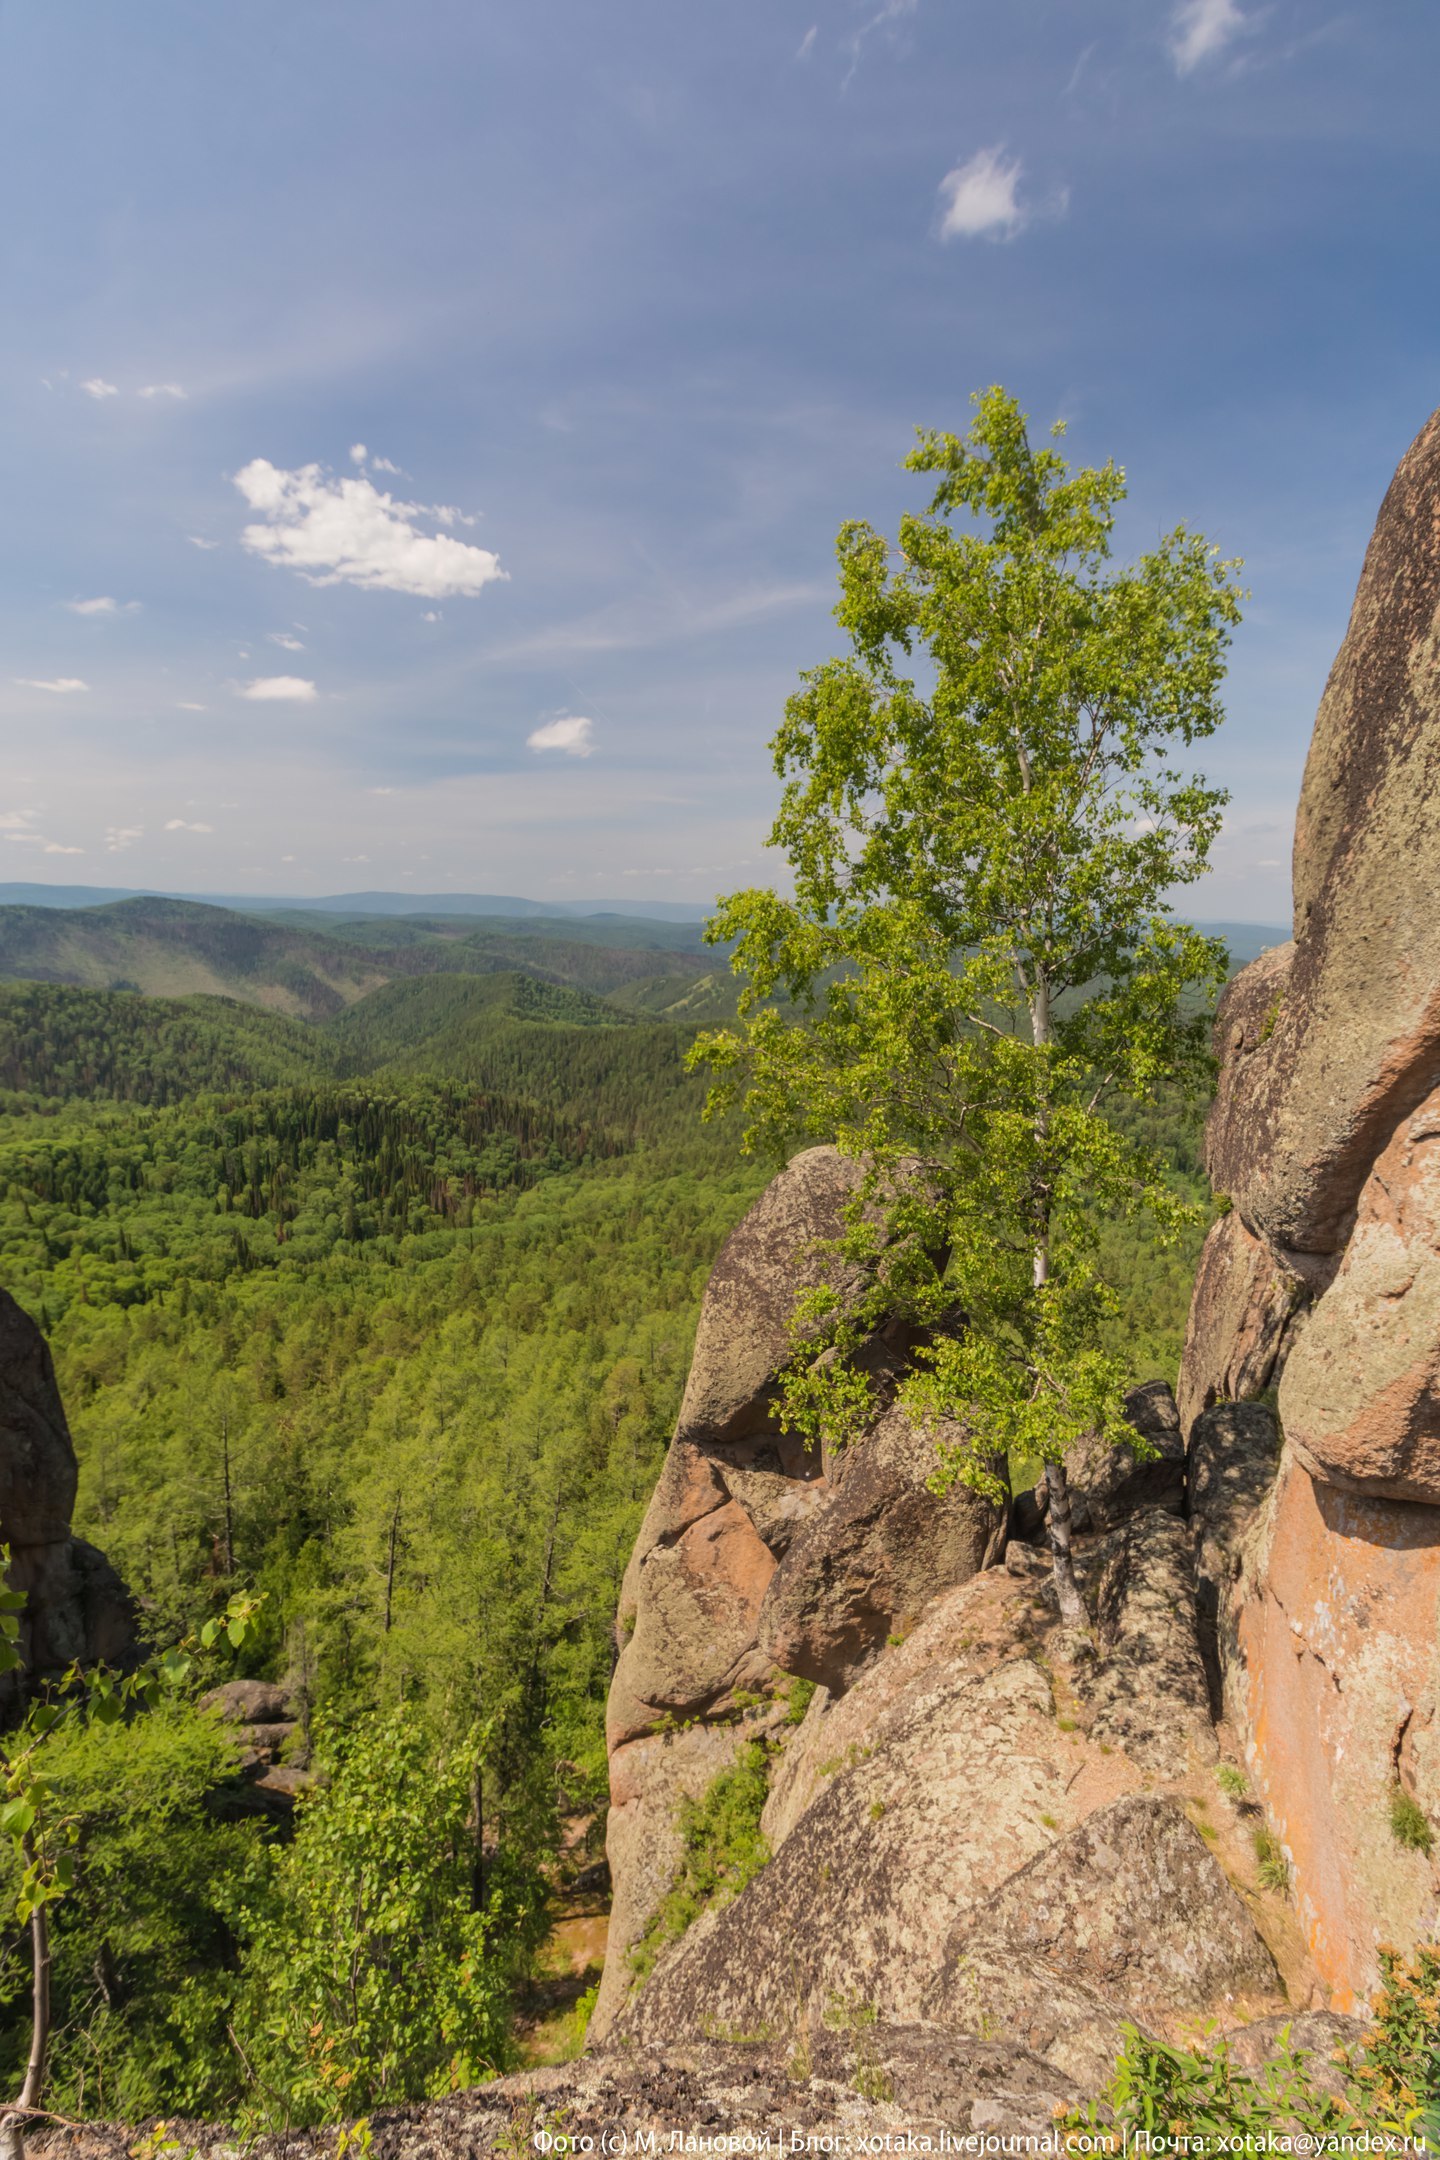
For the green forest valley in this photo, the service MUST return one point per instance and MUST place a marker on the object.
(382, 1320)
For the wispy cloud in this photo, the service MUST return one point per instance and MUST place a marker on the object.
(119, 837)
(185, 705)
(1201, 29)
(180, 824)
(196, 540)
(638, 627)
(278, 689)
(104, 605)
(283, 637)
(345, 531)
(980, 200)
(885, 19)
(97, 387)
(807, 43)
(164, 389)
(575, 736)
(58, 685)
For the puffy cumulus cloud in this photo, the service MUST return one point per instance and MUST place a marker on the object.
(104, 605)
(58, 685)
(180, 824)
(97, 387)
(277, 689)
(346, 531)
(980, 199)
(119, 837)
(1201, 29)
(575, 736)
(164, 389)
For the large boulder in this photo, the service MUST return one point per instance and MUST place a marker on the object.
(1132, 1904)
(961, 1837)
(744, 1337)
(1360, 1399)
(76, 1607)
(38, 1473)
(757, 1561)
(1340, 1037)
(869, 1559)
(1243, 1311)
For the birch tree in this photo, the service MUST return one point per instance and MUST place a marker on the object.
(986, 816)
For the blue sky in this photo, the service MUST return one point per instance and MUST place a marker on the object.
(632, 304)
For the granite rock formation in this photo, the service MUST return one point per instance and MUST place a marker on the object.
(978, 1827)
(758, 1562)
(1325, 1278)
(76, 1605)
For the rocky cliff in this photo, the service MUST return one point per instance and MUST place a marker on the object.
(979, 1834)
(76, 1605)
(1324, 1277)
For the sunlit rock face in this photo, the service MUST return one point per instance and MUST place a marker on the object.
(1325, 1278)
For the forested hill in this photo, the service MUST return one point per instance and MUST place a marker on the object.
(312, 966)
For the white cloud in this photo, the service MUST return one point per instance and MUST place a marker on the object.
(358, 453)
(164, 389)
(807, 43)
(180, 824)
(283, 637)
(346, 531)
(196, 541)
(431, 614)
(1203, 28)
(53, 847)
(61, 685)
(379, 790)
(97, 387)
(383, 464)
(980, 199)
(119, 837)
(104, 605)
(185, 706)
(573, 736)
(268, 689)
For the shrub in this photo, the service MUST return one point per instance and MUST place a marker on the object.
(1409, 1822)
(722, 1851)
(1391, 2083)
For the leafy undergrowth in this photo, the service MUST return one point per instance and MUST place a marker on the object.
(722, 1851)
(1166, 2099)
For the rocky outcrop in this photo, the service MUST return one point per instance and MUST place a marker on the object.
(1335, 1681)
(1339, 1039)
(757, 1562)
(1325, 1279)
(988, 1832)
(76, 1606)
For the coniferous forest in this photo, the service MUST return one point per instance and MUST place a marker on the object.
(381, 1323)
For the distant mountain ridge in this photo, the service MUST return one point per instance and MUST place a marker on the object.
(363, 903)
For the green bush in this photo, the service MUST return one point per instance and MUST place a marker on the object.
(723, 1850)
(1390, 2083)
(379, 1967)
(1409, 1822)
